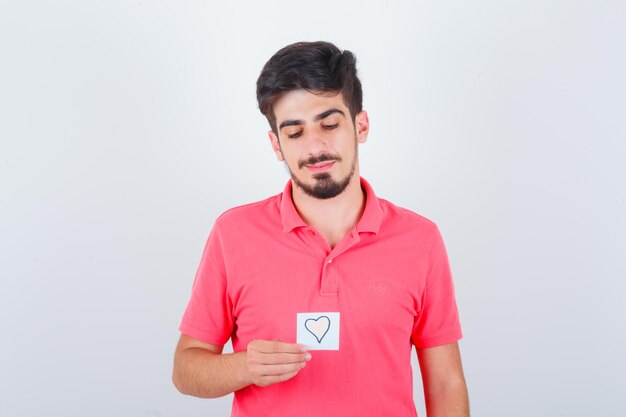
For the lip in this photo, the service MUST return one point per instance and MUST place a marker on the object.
(324, 166)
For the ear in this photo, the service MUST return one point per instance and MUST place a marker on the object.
(275, 145)
(362, 125)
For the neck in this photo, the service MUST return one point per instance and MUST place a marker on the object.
(334, 216)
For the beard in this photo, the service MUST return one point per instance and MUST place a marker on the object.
(325, 186)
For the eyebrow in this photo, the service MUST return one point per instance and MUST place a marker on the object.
(317, 118)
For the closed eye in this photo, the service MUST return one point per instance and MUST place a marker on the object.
(298, 134)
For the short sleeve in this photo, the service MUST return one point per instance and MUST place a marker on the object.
(437, 322)
(208, 316)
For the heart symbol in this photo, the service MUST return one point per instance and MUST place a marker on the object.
(318, 327)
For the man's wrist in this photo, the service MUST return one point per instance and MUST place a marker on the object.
(245, 378)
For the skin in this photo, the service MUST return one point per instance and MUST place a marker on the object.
(445, 390)
(313, 129)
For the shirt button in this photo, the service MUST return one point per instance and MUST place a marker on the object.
(330, 261)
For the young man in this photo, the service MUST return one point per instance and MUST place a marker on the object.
(325, 287)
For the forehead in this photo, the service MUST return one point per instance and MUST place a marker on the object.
(304, 105)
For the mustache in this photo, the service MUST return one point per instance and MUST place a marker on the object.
(317, 159)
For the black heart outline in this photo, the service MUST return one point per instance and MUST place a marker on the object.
(315, 320)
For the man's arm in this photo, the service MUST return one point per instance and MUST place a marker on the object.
(201, 370)
(445, 391)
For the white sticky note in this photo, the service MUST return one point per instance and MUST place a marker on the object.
(318, 331)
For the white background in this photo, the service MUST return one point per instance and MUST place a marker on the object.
(127, 127)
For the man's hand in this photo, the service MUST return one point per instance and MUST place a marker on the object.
(269, 362)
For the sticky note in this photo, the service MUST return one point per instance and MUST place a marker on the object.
(319, 330)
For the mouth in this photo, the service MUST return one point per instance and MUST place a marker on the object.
(321, 167)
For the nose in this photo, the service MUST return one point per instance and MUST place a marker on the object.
(316, 143)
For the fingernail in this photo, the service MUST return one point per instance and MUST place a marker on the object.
(303, 348)
(308, 356)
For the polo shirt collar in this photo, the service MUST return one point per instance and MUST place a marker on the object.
(369, 221)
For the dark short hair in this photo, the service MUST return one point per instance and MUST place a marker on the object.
(312, 66)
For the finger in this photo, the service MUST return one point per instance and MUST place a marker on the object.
(269, 380)
(285, 377)
(281, 358)
(282, 369)
(275, 346)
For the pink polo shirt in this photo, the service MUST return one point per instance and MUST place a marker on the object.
(389, 279)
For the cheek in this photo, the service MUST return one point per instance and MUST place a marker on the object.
(293, 151)
(290, 156)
